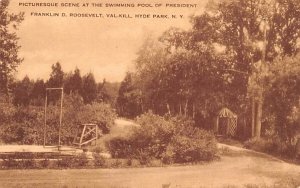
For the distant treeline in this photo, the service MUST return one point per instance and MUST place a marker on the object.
(32, 92)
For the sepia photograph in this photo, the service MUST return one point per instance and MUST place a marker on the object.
(150, 94)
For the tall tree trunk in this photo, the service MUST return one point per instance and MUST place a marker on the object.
(253, 114)
(168, 108)
(186, 107)
(258, 116)
(180, 111)
(260, 92)
(194, 110)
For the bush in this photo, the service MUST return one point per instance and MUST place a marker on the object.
(45, 163)
(65, 162)
(99, 161)
(271, 145)
(199, 146)
(99, 113)
(120, 147)
(10, 163)
(24, 125)
(80, 160)
(168, 139)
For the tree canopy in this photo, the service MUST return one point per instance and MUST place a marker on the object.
(9, 58)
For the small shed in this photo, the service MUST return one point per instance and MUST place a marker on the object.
(226, 124)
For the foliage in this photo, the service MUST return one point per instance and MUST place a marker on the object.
(282, 97)
(37, 95)
(65, 162)
(22, 92)
(55, 81)
(99, 113)
(29, 92)
(200, 145)
(119, 147)
(89, 88)
(108, 92)
(273, 146)
(9, 59)
(231, 47)
(73, 82)
(99, 160)
(164, 138)
(81, 160)
(24, 125)
(129, 98)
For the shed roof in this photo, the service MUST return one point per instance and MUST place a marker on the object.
(225, 112)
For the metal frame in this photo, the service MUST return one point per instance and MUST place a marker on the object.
(60, 116)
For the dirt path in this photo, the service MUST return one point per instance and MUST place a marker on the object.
(236, 168)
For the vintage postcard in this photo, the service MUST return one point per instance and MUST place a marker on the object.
(149, 93)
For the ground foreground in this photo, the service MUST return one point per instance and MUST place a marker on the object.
(237, 168)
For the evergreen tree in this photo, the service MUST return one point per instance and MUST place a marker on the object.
(73, 83)
(129, 103)
(38, 92)
(22, 92)
(89, 88)
(56, 80)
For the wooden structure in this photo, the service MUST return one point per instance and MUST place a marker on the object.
(60, 114)
(86, 134)
(226, 124)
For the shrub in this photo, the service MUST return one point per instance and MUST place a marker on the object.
(120, 147)
(80, 160)
(97, 149)
(116, 163)
(65, 162)
(198, 146)
(271, 145)
(28, 163)
(24, 125)
(10, 163)
(169, 139)
(99, 113)
(45, 163)
(99, 160)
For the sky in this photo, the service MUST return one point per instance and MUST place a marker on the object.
(107, 47)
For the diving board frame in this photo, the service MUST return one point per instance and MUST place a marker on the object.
(60, 115)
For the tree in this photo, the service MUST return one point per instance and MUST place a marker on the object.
(220, 62)
(38, 92)
(56, 80)
(129, 98)
(241, 27)
(9, 49)
(179, 74)
(56, 76)
(22, 92)
(283, 96)
(73, 83)
(108, 92)
(89, 88)
(102, 93)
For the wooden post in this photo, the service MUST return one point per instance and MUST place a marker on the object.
(96, 134)
(253, 115)
(217, 126)
(45, 120)
(81, 138)
(60, 116)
